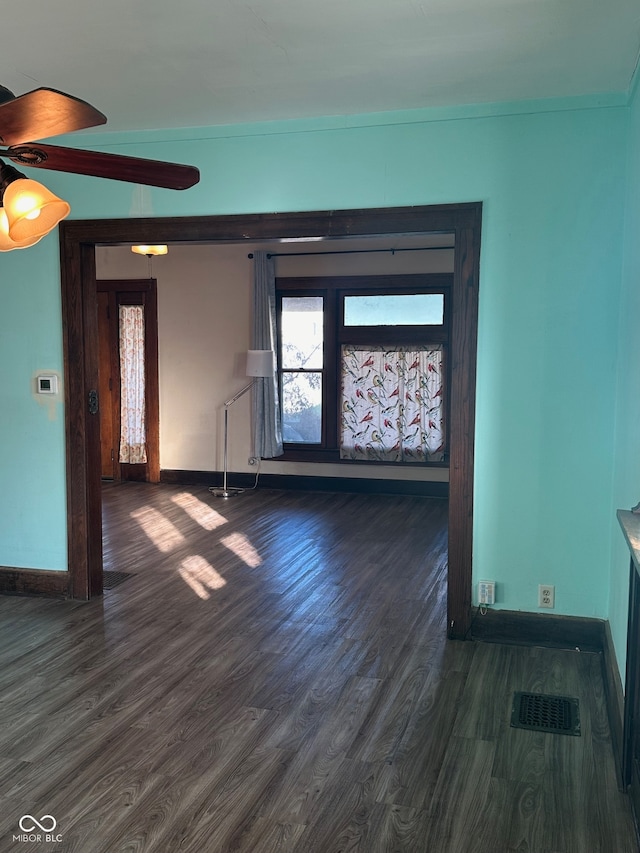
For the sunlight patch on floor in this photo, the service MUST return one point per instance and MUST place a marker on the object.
(200, 576)
(199, 511)
(164, 535)
(239, 545)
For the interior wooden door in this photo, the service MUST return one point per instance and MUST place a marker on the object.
(111, 295)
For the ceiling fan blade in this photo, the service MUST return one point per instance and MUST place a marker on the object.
(116, 167)
(44, 113)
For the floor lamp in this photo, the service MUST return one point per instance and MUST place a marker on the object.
(259, 364)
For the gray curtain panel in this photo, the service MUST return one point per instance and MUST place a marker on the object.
(267, 426)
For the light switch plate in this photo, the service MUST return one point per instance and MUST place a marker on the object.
(47, 383)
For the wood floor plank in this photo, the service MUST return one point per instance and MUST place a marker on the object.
(340, 819)
(264, 834)
(411, 775)
(396, 707)
(315, 692)
(234, 807)
(457, 810)
(485, 704)
(200, 809)
(319, 759)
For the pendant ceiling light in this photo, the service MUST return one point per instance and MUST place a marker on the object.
(30, 210)
(150, 250)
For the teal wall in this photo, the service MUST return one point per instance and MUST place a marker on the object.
(32, 469)
(627, 461)
(551, 177)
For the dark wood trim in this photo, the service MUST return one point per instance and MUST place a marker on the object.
(309, 453)
(631, 734)
(84, 503)
(462, 412)
(614, 698)
(359, 485)
(153, 385)
(438, 282)
(538, 629)
(126, 285)
(34, 582)
(93, 579)
(630, 742)
(400, 336)
(251, 228)
(630, 750)
(78, 240)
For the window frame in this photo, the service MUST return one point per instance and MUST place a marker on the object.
(287, 294)
(333, 289)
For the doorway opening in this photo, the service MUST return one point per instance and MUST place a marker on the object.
(128, 380)
(79, 299)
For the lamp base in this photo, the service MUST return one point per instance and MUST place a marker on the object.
(225, 493)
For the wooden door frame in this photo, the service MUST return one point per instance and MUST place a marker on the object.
(148, 287)
(78, 240)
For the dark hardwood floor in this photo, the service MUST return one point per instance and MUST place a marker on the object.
(274, 676)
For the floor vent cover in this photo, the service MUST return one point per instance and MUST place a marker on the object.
(540, 713)
(111, 579)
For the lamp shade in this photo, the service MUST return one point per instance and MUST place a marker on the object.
(32, 210)
(6, 243)
(260, 362)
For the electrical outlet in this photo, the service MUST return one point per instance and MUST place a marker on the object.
(546, 595)
(253, 460)
(486, 592)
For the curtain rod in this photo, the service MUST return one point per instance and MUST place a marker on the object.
(354, 251)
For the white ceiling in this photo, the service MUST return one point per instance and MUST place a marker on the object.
(161, 64)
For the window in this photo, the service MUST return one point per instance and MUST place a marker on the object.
(363, 368)
(395, 309)
(301, 368)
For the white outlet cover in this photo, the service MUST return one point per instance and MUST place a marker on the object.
(546, 596)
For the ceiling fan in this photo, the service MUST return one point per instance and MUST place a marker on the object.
(25, 217)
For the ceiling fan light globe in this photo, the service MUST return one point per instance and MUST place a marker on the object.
(32, 210)
(6, 243)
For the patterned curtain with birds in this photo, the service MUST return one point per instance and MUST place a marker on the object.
(392, 404)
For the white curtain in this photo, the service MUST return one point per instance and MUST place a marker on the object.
(267, 425)
(133, 436)
(391, 405)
